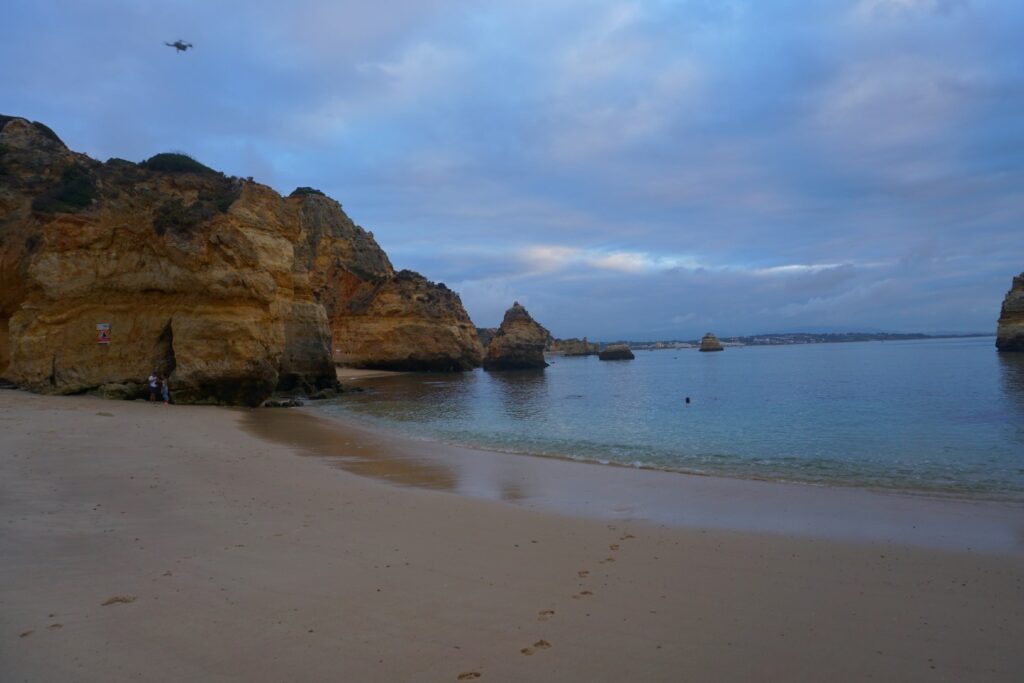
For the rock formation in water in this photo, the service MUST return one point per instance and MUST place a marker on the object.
(223, 284)
(573, 347)
(616, 352)
(518, 344)
(1010, 333)
(709, 342)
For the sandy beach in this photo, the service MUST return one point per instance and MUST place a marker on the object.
(150, 543)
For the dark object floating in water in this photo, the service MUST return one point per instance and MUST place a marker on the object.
(687, 400)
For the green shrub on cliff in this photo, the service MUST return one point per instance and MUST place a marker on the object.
(175, 162)
(303, 191)
(76, 190)
(175, 216)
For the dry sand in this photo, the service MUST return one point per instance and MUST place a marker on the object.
(150, 543)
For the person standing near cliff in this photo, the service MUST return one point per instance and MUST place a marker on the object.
(154, 385)
(165, 391)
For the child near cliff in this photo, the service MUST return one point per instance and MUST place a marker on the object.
(165, 391)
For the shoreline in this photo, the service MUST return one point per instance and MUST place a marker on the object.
(650, 495)
(375, 425)
(142, 542)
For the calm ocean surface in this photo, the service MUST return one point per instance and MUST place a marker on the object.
(940, 416)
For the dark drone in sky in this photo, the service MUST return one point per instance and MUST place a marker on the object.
(179, 45)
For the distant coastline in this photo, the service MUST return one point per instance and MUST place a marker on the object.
(789, 338)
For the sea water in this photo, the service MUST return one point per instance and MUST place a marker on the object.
(938, 416)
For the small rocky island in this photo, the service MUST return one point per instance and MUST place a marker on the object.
(518, 344)
(709, 342)
(616, 352)
(1010, 333)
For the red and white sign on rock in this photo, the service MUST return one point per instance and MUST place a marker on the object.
(102, 333)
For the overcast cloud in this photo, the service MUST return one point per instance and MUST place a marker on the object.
(624, 169)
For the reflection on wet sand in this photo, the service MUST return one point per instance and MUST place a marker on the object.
(352, 452)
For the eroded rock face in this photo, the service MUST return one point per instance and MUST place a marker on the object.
(1010, 333)
(406, 323)
(709, 342)
(518, 344)
(616, 352)
(222, 283)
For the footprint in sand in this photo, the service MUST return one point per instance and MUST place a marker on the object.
(119, 599)
(544, 614)
(583, 573)
(539, 645)
(469, 675)
(26, 634)
(613, 546)
(55, 626)
(627, 537)
(105, 414)
(607, 560)
(582, 594)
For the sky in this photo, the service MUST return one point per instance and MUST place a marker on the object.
(626, 170)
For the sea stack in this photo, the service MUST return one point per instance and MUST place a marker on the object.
(710, 343)
(518, 344)
(616, 352)
(1010, 333)
(109, 271)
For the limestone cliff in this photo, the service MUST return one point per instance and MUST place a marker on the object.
(405, 323)
(518, 344)
(485, 335)
(573, 347)
(1010, 333)
(220, 282)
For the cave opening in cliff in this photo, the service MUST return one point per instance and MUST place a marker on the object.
(163, 352)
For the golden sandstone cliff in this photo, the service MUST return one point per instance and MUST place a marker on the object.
(518, 344)
(223, 284)
(1010, 333)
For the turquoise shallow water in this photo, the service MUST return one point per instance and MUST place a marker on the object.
(939, 416)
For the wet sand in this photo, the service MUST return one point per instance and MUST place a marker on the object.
(163, 544)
